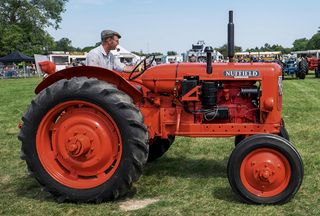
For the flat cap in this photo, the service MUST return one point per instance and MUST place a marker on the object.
(109, 33)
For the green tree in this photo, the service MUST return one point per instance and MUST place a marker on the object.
(146, 54)
(300, 44)
(224, 49)
(267, 47)
(64, 44)
(171, 53)
(23, 23)
(314, 42)
(156, 54)
(256, 49)
(11, 39)
(88, 48)
(140, 53)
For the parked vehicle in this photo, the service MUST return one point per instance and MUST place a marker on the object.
(295, 67)
(197, 53)
(312, 57)
(88, 133)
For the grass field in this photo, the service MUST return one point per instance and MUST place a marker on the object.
(190, 179)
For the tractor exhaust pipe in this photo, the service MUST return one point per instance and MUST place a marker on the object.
(230, 37)
(209, 51)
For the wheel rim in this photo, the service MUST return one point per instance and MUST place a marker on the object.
(265, 172)
(79, 144)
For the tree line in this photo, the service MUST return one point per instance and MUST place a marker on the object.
(23, 24)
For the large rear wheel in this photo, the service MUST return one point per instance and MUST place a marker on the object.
(303, 69)
(265, 169)
(84, 140)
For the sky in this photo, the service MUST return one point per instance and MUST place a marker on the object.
(164, 25)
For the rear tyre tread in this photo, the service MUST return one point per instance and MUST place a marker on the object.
(139, 145)
(103, 93)
(138, 125)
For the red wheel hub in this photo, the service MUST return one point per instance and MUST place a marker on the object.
(265, 172)
(79, 144)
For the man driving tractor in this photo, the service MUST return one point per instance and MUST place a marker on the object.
(101, 55)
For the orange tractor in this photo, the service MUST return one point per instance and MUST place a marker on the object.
(89, 131)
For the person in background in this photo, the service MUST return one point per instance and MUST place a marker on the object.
(193, 58)
(101, 55)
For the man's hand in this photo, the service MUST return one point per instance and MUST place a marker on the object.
(128, 69)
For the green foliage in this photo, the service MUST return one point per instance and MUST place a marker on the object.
(171, 53)
(267, 47)
(224, 49)
(64, 44)
(300, 44)
(87, 49)
(32, 13)
(138, 53)
(156, 54)
(12, 38)
(146, 54)
(314, 42)
(23, 23)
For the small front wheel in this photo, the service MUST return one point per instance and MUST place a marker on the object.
(265, 169)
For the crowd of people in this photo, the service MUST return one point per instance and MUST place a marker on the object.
(17, 70)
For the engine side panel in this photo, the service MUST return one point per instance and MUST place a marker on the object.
(234, 99)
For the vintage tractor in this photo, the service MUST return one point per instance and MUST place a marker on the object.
(89, 131)
(314, 64)
(296, 67)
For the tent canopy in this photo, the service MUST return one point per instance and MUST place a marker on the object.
(16, 57)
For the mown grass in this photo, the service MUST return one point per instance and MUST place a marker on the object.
(190, 179)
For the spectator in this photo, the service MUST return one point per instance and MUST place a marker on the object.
(193, 58)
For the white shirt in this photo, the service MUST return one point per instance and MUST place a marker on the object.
(98, 57)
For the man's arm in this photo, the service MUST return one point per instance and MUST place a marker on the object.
(118, 66)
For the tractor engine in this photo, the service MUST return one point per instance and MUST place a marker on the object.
(221, 101)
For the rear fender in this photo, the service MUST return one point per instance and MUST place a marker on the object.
(93, 72)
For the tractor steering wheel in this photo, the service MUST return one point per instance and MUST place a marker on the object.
(147, 62)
